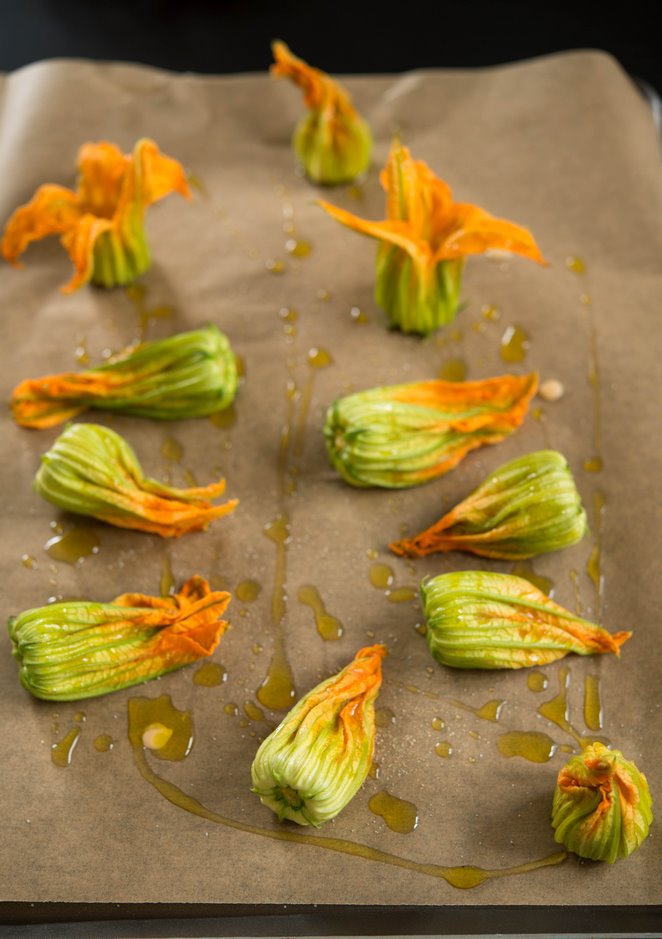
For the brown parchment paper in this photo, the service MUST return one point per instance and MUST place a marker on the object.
(563, 145)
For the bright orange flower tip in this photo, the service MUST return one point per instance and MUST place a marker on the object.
(424, 240)
(100, 224)
(319, 89)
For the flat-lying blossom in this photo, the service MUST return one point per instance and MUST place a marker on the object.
(100, 224)
(187, 375)
(479, 619)
(91, 470)
(524, 508)
(424, 241)
(332, 141)
(81, 649)
(318, 757)
(602, 805)
(404, 435)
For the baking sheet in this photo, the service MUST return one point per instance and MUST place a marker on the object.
(564, 145)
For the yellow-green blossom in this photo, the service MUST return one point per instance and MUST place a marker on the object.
(91, 470)
(524, 508)
(81, 649)
(332, 141)
(316, 760)
(187, 375)
(404, 435)
(479, 619)
(602, 805)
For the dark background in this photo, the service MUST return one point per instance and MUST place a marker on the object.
(234, 36)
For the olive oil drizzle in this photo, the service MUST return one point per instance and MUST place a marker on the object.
(593, 716)
(329, 627)
(462, 877)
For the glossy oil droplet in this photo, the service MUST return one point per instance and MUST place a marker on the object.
(594, 563)
(319, 358)
(575, 264)
(399, 814)
(490, 312)
(150, 715)
(81, 354)
(210, 675)
(525, 569)
(274, 266)
(277, 692)
(534, 746)
(225, 418)
(73, 546)
(453, 370)
(380, 576)
(592, 703)
(328, 627)
(443, 748)
(438, 723)
(231, 709)
(103, 743)
(358, 316)
(401, 594)
(593, 465)
(536, 681)
(515, 343)
(298, 247)
(62, 752)
(288, 315)
(28, 561)
(171, 449)
(253, 712)
(384, 717)
(248, 591)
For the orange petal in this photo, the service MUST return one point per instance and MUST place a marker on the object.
(396, 233)
(51, 211)
(319, 89)
(414, 193)
(102, 167)
(79, 241)
(475, 231)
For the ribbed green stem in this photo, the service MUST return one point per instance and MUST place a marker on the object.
(121, 255)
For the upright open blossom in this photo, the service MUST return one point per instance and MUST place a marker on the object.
(93, 471)
(100, 224)
(404, 435)
(318, 757)
(479, 619)
(332, 141)
(187, 375)
(82, 649)
(602, 805)
(424, 241)
(524, 508)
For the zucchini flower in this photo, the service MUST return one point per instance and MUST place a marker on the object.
(332, 141)
(404, 435)
(478, 619)
(602, 805)
(80, 649)
(318, 757)
(91, 470)
(524, 508)
(187, 375)
(100, 224)
(423, 243)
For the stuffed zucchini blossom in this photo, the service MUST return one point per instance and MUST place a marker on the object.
(318, 757)
(424, 241)
(602, 805)
(91, 470)
(190, 374)
(81, 649)
(332, 142)
(101, 223)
